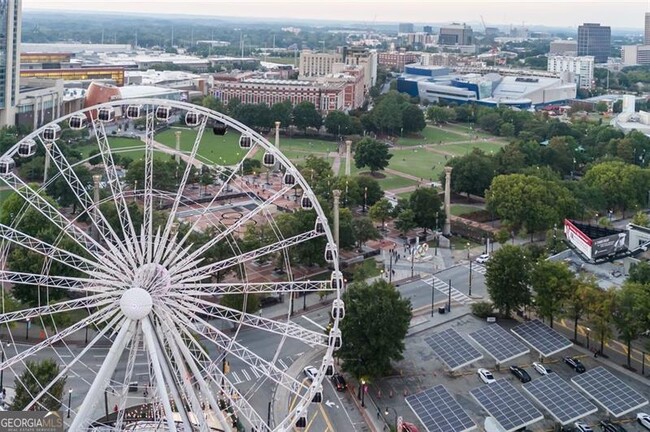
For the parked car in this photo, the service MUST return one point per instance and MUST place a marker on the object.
(575, 364)
(582, 427)
(520, 373)
(409, 427)
(482, 259)
(644, 420)
(310, 372)
(608, 426)
(485, 375)
(339, 382)
(541, 369)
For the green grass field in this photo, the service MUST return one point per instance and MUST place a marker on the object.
(431, 135)
(282, 60)
(462, 149)
(461, 209)
(4, 194)
(465, 129)
(117, 144)
(224, 149)
(417, 162)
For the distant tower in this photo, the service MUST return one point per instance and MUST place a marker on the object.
(10, 28)
(647, 28)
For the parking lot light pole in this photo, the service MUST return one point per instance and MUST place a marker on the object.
(69, 401)
(588, 332)
(395, 412)
(470, 270)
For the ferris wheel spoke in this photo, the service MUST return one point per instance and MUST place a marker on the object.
(100, 223)
(66, 283)
(70, 259)
(74, 232)
(133, 352)
(195, 364)
(288, 329)
(226, 343)
(128, 229)
(181, 190)
(190, 274)
(85, 413)
(94, 301)
(208, 289)
(184, 378)
(147, 221)
(75, 359)
(94, 318)
(206, 210)
(156, 355)
(234, 227)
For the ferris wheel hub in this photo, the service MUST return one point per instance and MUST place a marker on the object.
(153, 278)
(136, 303)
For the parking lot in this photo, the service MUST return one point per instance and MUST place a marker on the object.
(421, 369)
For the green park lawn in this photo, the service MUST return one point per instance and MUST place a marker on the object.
(461, 209)
(431, 135)
(224, 149)
(465, 129)
(4, 194)
(118, 145)
(417, 162)
(462, 149)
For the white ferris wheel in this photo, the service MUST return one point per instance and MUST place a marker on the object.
(148, 303)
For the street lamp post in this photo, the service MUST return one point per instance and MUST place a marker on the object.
(588, 332)
(435, 245)
(363, 393)
(27, 329)
(2, 371)
(69, 401)
(365, 198)
(470, 270)
(396, 416)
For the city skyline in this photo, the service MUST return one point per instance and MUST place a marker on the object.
(628, 15)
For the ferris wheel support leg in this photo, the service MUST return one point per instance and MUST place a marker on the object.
(93, 397)
(155, 356)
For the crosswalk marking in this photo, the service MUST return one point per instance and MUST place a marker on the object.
(248, 377)
(456, 295)
(284, 366)
(478, 268)
(255, 372)
(236, 379)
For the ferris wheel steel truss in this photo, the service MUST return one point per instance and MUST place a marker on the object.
(147, 288)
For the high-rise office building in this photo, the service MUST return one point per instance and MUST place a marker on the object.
(580, 68)
(406, 28)
(595, 40)
(427, 29)
(10, 30)
(647, 29)
(456, 34)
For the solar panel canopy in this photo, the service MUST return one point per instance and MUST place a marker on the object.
(542, 338)
(609, 391)
(501, 345)
(507, 405)
(438, 411)
(563, 402)
(452, 349)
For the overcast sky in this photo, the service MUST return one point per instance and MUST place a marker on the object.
(616, 13)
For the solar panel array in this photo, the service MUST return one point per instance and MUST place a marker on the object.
(542, 338)
(452, 349)
(500, 344)
(438, 411)
(507, 405)
(563, 402)
(609, 391)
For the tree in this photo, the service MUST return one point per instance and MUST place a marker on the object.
(306, 116)
(640, 218)
(236, 301)
(386, 116)
(506, 130)
(405, 221)
(374, 329)
(281, 111)
(600, 310)
(370, 187)
(412, 119)
(213, 103)
(440, 115)
(364, 230)
(36, 376)
(576, 305)
(337, 123)
(472, 174)
(530, 202)
(507, 279)
(640, 273)
(552, 283)
(380, 211)
(426, 204)
(601, 107)
(623, 185)
(372, 154)
(629, 305)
